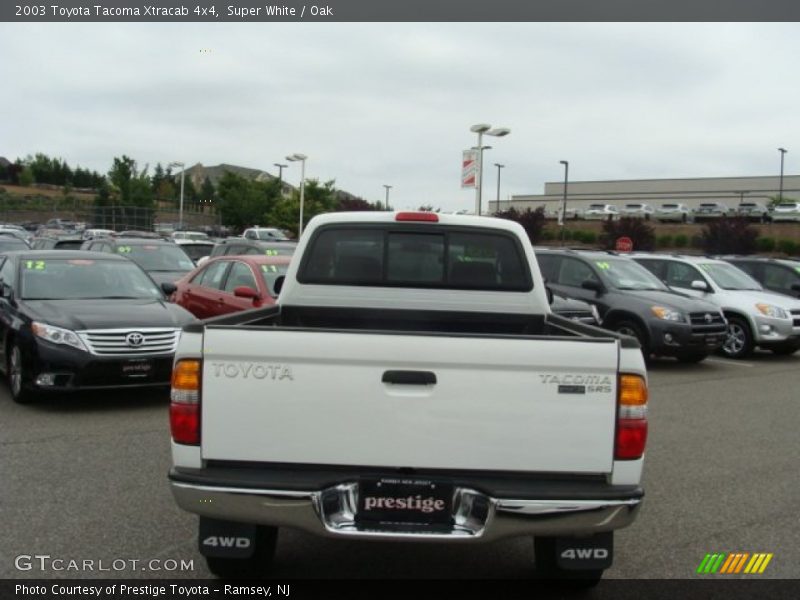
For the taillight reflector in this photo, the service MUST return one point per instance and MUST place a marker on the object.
(631, 436)
(430, 217)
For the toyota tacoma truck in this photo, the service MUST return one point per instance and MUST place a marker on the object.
(411, 384)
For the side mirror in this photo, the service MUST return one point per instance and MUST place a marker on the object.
(278, 285)
(550, 296)
(169, 288)
(591, 284)
(244, 291)
(698, 284)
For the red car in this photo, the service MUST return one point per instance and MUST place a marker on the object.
(229, 284)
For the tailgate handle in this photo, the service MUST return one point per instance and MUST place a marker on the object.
(409, 377)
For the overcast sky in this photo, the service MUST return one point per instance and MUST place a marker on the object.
(374, 104)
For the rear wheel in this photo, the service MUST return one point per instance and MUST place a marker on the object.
(739, 342)
(253, 567)
(547, 566)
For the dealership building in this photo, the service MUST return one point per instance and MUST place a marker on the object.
(655, 192)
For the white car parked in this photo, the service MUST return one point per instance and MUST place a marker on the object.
(786, 211)
(753, 211)
(637, 209)
(601, 212)
(756, 317)
(711, 210)
(674, 211)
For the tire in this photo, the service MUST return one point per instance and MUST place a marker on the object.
(691, 358)
(634, 330)
(784, 349)
(16, 377)
(254, 567)
(547, 568)
(739, 341)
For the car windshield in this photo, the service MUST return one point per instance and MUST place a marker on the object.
(597, 206)
(157, 257)
(192, 235)
(729, 277)
(669, 206)
(625, 274)
(633, 206)
(84, 279)
(197, 251)
(787, 206)
(269, 234)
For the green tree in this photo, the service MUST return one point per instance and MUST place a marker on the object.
(207, 191)
(243, 203)
(318, 199)
(532, 221)
(26, 177)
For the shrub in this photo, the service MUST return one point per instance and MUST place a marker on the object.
(664, 241)
(681, 240)
(531, 220)
(589, 237)
(729, 235)
(696, 241)
(568, 234)
(548, 235)
(787, 247)
(765, 244)
(642, 235)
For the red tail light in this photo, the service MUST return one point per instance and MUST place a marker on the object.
(184, 407)
(431, 217)
(631, 436)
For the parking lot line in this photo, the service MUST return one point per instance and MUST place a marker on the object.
(733, 363)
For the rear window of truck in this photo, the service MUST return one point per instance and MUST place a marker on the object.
(457, 259)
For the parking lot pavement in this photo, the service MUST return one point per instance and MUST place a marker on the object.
(85, 479)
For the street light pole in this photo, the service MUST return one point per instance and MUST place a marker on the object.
(302, 158)
(180, 208)
(388, 187)
(481, 129)
(562, 217)
(280, 175)
(783, 151)
(499, 166)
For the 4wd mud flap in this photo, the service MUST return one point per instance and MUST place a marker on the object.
(579, 553)
(226, 539)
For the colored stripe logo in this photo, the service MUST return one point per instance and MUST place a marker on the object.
(734, 562)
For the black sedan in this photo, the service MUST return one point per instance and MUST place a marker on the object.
(76, 320)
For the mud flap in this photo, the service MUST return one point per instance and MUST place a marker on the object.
(584, 553)
(226, 539)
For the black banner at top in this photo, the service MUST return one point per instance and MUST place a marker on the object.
(245, 11)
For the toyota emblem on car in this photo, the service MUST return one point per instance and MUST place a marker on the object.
(134, 339)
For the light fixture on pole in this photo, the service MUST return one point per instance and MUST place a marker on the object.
(484, 129)
(388, 187)
(499, 166)
(563, 215)
(280, 175)
(302, 158)
(780, 194)
(180, 207)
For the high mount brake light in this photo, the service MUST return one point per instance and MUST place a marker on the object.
(424, 216)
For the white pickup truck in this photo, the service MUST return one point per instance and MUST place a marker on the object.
(411, 384)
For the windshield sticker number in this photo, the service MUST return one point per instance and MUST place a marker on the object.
(124, 249)
(36, 265)
(269, 268)
(271, 252)
(603, 265)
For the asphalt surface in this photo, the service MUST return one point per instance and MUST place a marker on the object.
(85, 479)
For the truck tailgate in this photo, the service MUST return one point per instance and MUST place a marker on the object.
(322, 397)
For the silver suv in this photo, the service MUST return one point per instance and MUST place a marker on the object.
(756, 317)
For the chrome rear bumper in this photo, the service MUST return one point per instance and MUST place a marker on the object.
(476, 516)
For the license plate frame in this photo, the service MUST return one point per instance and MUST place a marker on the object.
(141, 368)
(405, 501)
